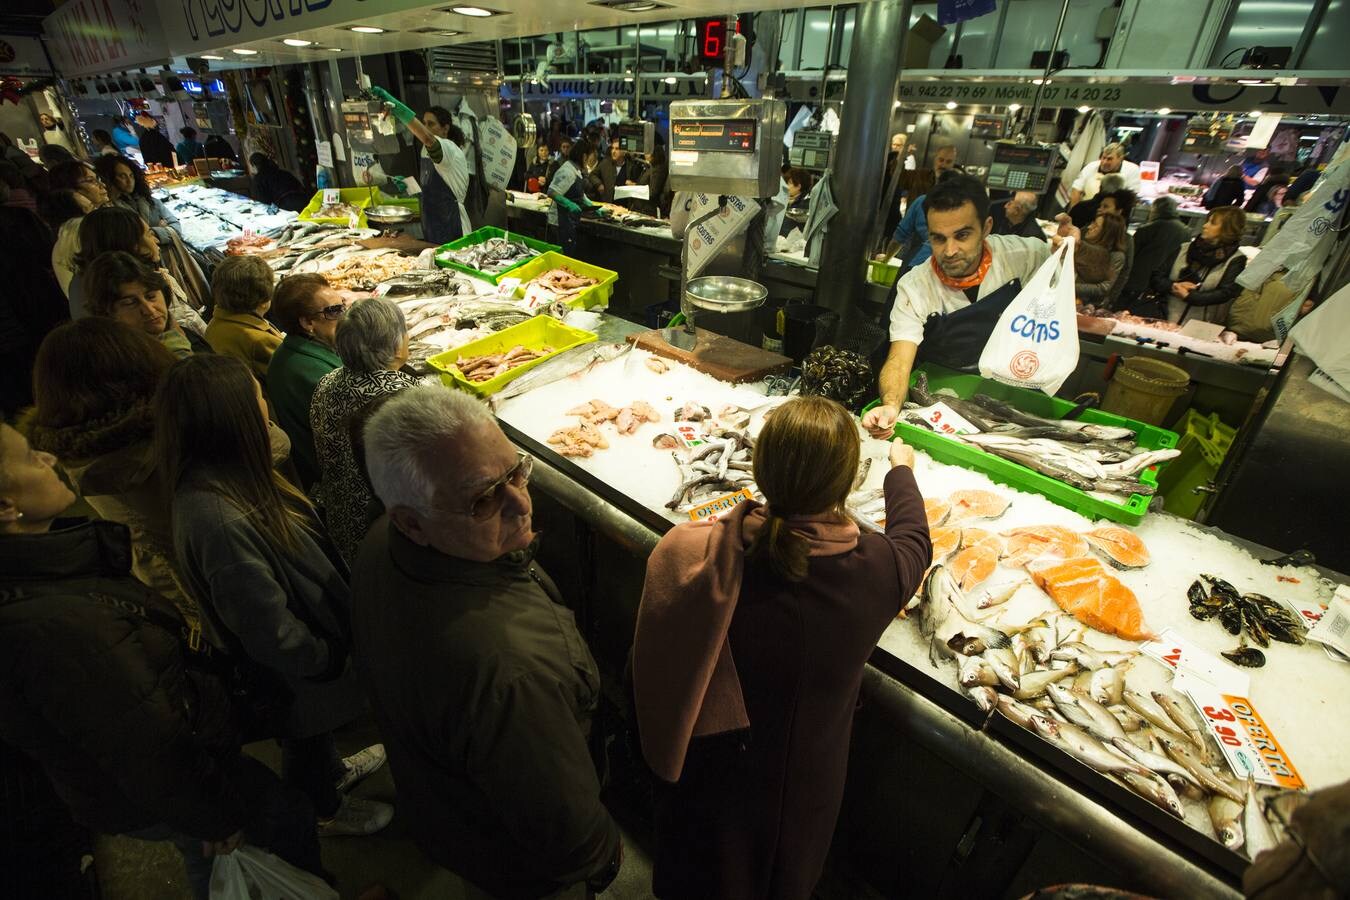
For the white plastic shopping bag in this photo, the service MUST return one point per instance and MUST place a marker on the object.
(251, 873)
(1035, 343)
(1321, 335)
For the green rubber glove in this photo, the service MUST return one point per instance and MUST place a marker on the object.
(401, 112)
(568, 205)
(398, 186)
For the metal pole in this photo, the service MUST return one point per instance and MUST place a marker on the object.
(637, 75)
(860, 155)
(1049, 68)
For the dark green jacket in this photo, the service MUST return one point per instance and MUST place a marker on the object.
(295, 370)
(98, 694)
(483, 689)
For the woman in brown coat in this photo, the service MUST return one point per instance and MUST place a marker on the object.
(750, 646)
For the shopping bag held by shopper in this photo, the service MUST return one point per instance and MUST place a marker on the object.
(251, 873)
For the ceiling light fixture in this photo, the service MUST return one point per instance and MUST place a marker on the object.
(951, 104)
(1085, 109)
(334, 49)
(1255, 81)
(296, 42)
(448, 33)
(1014, 107)
(209, 56)
(244, 51)
(476, 11)
(1165, 111)
(671, 79)
(367, 29)
(1256, 114)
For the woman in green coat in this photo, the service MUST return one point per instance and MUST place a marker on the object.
(308, 310)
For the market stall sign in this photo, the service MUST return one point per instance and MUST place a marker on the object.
(91, 37)
(1246, 741)
(1304, 99)
(719, 506)
(23, 56)
(571, 87)
(195, 26)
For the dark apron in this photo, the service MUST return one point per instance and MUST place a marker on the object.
(956, 339)
(440, 206)
(568, 220)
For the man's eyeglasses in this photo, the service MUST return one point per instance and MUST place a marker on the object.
(490, 500)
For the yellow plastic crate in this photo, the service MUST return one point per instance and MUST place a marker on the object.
(595, 295)
(541, 331)
(357, 197)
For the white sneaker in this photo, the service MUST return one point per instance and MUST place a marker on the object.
(359, 765)
(357, 817)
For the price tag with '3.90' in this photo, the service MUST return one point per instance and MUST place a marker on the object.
(1247, 742)
(940, 418)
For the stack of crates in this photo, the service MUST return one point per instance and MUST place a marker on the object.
(1204, 443)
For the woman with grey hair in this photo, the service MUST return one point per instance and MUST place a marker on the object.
(372, 342)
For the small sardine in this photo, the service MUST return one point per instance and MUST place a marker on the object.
(992, 598)
(1084, 747)
(1260, 836)
(1067, 703)
(1186, 718)
(1107, 685)
(1105, 727)
(1018, 713)
(1129, 719)
(1004, 664)
(986, 698)
(1090, 657)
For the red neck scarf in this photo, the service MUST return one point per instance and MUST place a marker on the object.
(971, 280)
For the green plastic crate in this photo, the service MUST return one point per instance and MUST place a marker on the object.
(595, 295)
(1004, 471)
(541, 331)
(359, 198)
(488, 232)
(1205, 441)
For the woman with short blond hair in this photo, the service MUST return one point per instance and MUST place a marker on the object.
(751, 640)
(1203, 282)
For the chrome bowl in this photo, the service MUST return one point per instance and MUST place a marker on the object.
(725, 293)
(390, 215)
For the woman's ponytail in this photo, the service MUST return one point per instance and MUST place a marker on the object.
(784, 551)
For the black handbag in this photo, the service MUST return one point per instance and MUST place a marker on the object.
(956, 339)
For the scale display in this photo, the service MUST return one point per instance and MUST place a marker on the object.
(1022, 167)
(635, 137)
(811, 150)
(716, 135)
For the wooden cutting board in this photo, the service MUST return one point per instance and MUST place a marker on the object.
(717, 355)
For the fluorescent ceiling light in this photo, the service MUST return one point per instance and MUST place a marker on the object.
(951, 104)
(208, 56)
(366, 29)
(334, 49)
(671, 79)
(638, 7)
(1085, 109)
(244, 51)
(296, 42)
(1259, 81)
(448, 33)
(1014, 107)
(1165, 111)
(476, 11)
(1256, 114)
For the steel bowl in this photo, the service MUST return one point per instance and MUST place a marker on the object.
(725, 293)
(390, 215)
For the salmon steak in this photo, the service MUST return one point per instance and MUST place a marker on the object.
(936, 510)
(1085, 589)
(1040, 541)
(1120, 547)
(977, 559)
(976, 504)
(945, 541)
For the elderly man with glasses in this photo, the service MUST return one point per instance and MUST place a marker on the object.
(476, 672)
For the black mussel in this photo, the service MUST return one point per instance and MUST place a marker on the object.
(1221, 588)
(1248, 657)
(1203, 612)
(1230, 617)
(1256, 628)
(1280, 631)
(1197, 593)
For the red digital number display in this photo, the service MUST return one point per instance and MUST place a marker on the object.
(712, 40)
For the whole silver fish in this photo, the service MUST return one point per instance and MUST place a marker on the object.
(1260, 836)
(1153, 761)
(986, 698)
(1180, 751)
(1107, 686)
(1090, 657)
(1034, 684)
(1155, 790)
(1226, 815)
(1066, 703)
(1151, 712)
(1105, 726)
(1084, 747)
(973, 671)
(1139, 462)
(1128, 718)
(564, 365)
(1018, 713)
(1005, 666)
(1184, 715)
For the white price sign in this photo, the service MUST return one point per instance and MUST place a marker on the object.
(943, 419)
(1185, 658)
(1243, 736)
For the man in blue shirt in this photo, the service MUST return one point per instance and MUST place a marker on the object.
(189, 148)
(123, 135)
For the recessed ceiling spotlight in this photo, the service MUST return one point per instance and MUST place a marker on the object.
(951, 104)
(671, 79)
(1014, 107)
(1165, 111)
(1256, 113)
(296, 42)
(1085, 109)
(476, 12)
(367, 29)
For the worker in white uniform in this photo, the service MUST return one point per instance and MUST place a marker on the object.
(444, 171)
(1111, 162)
(950, 304)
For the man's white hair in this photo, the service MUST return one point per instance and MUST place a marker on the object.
(1113, 150)
(402, 437)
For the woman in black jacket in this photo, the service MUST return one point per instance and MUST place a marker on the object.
(1226, 191)
(97, 686)
(273, 184)
(1203, 281)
